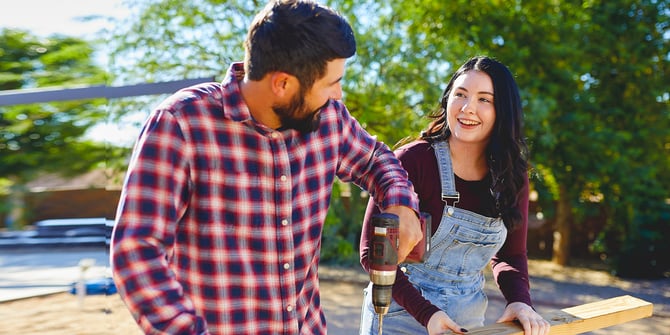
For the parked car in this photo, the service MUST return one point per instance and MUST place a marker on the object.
(62, 232)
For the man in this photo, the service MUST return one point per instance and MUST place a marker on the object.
(219, 225)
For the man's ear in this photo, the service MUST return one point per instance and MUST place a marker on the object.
(282, 84)
(279, 83)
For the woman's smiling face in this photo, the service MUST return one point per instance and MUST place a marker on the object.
(471, 114)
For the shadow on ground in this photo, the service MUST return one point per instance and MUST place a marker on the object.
(31, 279)
(552, 288)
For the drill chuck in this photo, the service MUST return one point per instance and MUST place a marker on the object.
(381, 298)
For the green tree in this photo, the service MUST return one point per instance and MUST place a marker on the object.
(173, 39)
(46, 136)
(593, 75)
(594, 78)
(627, 99)
(167, 40)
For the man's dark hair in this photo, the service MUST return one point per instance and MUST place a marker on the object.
(297, 37)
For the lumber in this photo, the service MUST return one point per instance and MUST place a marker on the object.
(581, 319)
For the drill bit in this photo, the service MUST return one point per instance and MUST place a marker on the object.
(381, 318)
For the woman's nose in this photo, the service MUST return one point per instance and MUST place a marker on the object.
(468, 107)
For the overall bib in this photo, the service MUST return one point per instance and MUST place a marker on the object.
(452, 276)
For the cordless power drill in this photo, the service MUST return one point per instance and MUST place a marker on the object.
(383, 250)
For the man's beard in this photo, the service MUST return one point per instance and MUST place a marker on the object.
(295, 115)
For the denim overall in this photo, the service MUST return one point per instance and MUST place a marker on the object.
(451, 278)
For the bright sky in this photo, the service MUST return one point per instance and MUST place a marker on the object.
(45, 17)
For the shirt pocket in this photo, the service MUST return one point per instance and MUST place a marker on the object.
(232, 199)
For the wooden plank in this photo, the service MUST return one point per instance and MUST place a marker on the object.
(581, 319)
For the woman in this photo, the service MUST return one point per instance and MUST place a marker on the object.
(469, 169)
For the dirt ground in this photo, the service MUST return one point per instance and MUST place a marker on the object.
(553, 288)
(61, 314)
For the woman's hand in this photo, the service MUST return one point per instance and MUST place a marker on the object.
(440, 322)
(532, 323)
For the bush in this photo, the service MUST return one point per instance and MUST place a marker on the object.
(342, 229)
(642, 250)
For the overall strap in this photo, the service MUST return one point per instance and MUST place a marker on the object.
(443, 155)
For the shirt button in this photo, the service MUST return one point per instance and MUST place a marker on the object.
(284, 222)
(287, 266)
(289, 308)
(274, 135)
(282, 178)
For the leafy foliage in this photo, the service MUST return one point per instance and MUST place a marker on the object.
(47, 136)
(173, 39)
(594, 79)
(342, 229)
(593, 75)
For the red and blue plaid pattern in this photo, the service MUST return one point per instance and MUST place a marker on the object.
(219, 225)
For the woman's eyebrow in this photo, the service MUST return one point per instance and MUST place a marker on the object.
(480, 92)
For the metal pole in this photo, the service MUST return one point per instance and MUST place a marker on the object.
(38, 95)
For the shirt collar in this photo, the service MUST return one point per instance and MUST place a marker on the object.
(234, 107)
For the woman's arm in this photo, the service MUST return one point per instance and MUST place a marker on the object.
(510, 264)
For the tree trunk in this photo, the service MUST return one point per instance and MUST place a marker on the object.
(561, 246)
(15, 219)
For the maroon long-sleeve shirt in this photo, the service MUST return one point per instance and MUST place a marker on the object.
(510, 264)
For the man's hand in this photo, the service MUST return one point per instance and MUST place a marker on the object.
(409, 233)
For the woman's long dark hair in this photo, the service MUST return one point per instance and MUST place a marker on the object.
(507, 151)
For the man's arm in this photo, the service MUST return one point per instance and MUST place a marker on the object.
(152, 200)
(371, 165)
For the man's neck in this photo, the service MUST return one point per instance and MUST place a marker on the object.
(259, 101)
